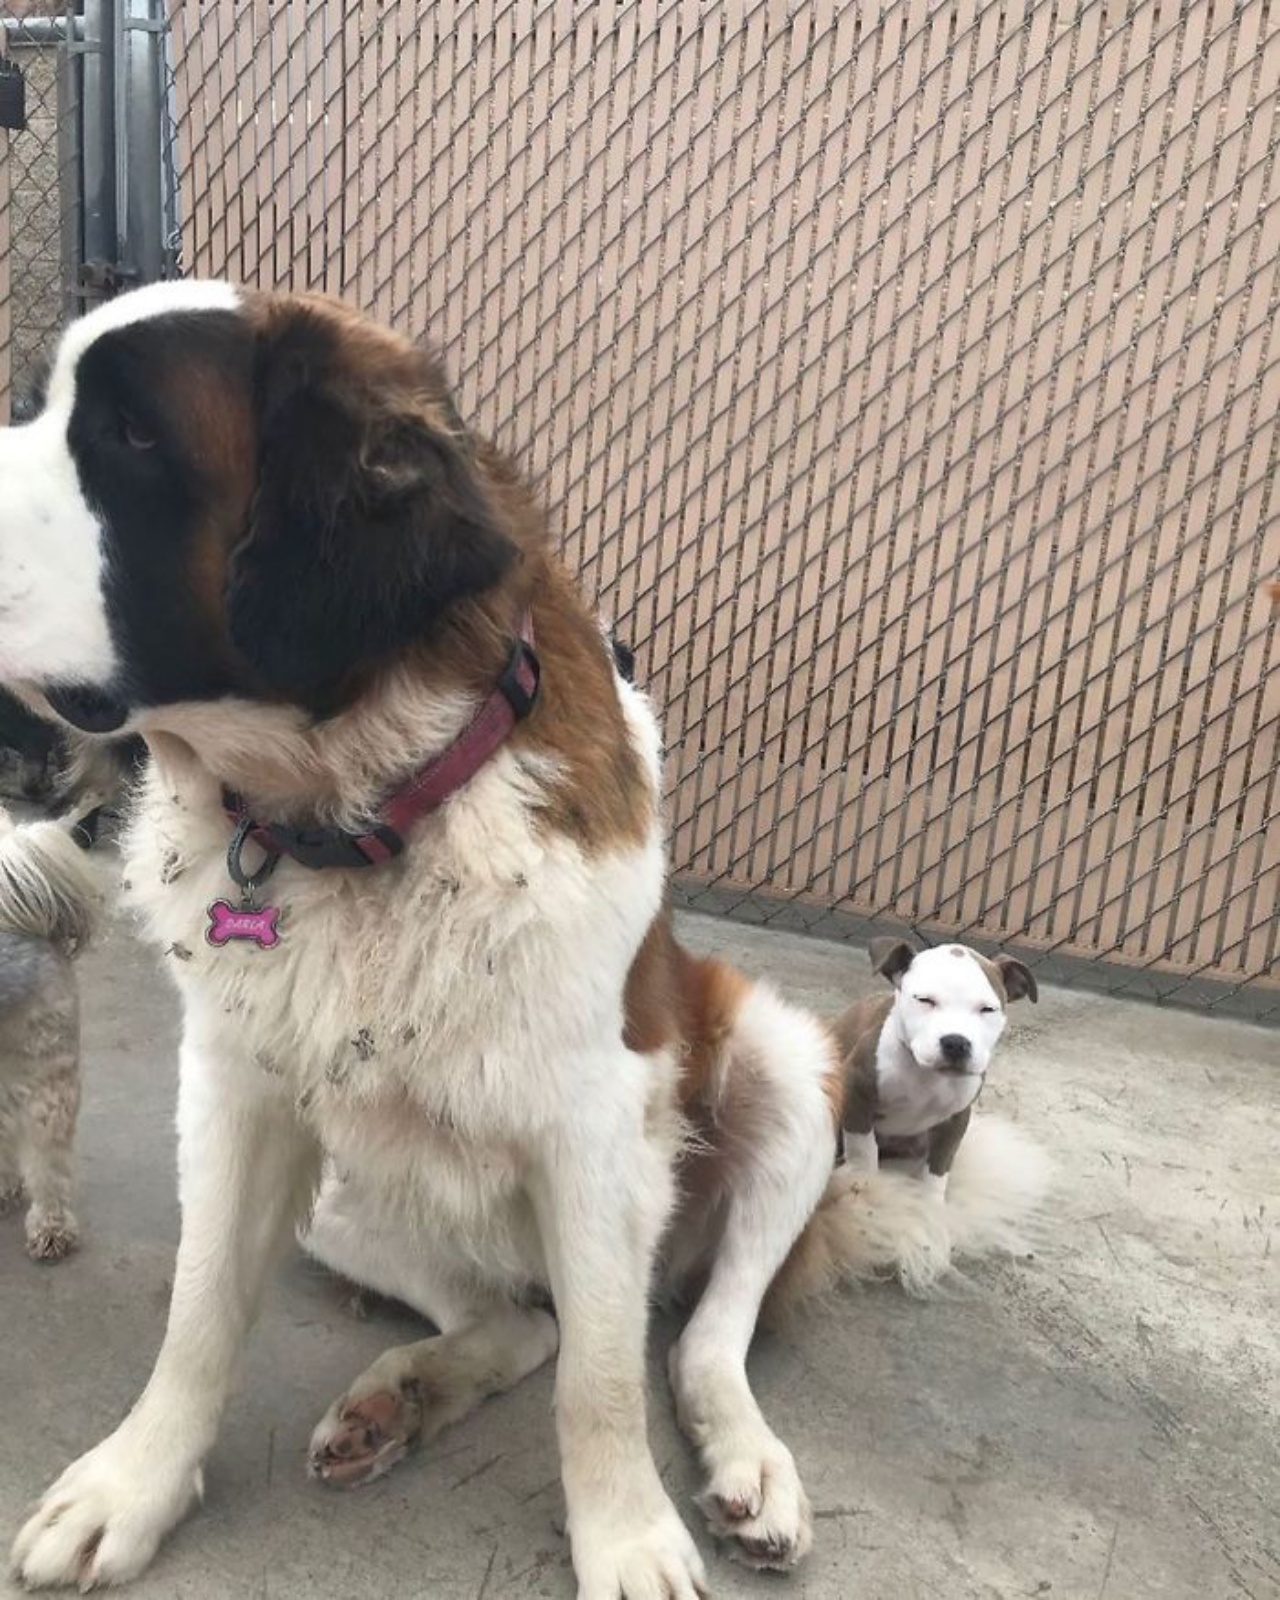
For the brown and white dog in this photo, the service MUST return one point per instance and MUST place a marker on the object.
(253, 530)
(915, 1060)
(913, 1063)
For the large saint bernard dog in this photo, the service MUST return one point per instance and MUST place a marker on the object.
(400, 838)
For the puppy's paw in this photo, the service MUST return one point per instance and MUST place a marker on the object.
(756, 1504)
(103, 1520)
(658, 1560)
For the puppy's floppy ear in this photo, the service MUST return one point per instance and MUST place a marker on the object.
(891, 957)
(1017, 979)
(368, 520)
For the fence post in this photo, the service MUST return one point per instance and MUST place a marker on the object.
(71, 164)
(140, 130)
(97, 151)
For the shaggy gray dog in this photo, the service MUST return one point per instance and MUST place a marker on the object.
(47, 902)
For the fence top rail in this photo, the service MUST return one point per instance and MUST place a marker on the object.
(35, 32)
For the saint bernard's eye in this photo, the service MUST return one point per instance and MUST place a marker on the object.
(135, 435)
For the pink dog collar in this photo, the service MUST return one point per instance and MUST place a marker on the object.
(512, 699)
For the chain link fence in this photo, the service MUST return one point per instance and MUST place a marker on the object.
(87, 190)
(35, 193)
(903, 380)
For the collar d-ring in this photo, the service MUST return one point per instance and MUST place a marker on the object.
(248, 881)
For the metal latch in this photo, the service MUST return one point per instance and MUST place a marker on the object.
(106, 278)
(13, 96)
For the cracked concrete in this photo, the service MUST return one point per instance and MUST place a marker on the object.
(1098, 1423)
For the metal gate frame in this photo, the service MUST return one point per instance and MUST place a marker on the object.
(117, 198)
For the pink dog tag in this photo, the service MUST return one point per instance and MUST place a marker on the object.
(228, 922)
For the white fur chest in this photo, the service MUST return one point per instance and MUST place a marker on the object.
(439, 999)
(912, 1098)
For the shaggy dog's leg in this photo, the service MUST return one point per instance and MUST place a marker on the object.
(246, 1172)
(11, 1192)
(775, 1145)
(602, 1189)
(46, 1133)
(417, 1390)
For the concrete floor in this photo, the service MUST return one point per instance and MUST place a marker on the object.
(1098, 1422)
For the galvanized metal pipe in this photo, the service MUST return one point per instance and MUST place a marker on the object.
(139, 91)
(34, 33)
(98, 136)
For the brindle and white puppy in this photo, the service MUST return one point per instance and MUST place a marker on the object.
(253, 530)
(915, 1061)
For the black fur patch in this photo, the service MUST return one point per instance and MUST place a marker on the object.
(368, 523)
(23, 731)
(346, 529)
(141, 469)
(624, 658)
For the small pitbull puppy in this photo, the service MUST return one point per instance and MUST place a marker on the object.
(915, 1061)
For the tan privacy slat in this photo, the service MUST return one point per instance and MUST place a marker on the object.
(6, 305)
(903, 381)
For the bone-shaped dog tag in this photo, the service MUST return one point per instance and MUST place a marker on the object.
(228, 922)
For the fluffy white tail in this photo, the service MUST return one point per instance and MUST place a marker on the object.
(46, 886)
(887, 1224)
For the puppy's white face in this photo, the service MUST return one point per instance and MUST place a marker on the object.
(948, 1012)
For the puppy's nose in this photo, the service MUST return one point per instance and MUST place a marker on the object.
(955, 1049)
